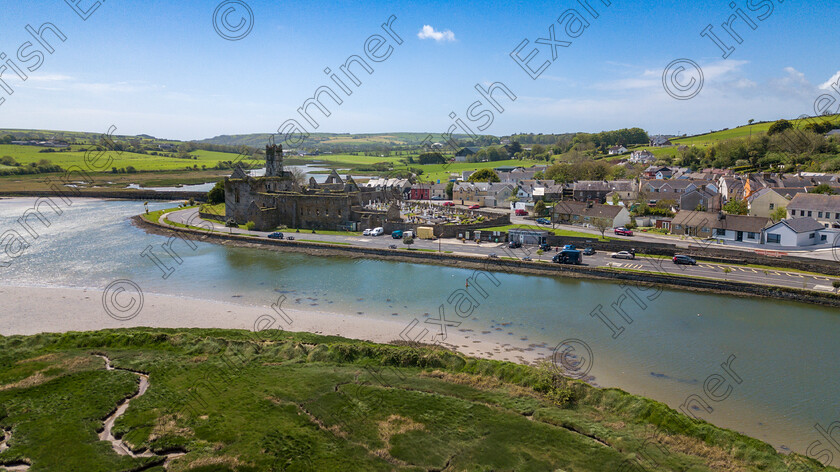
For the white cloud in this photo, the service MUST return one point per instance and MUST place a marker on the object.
(440, 36)
(835, 79)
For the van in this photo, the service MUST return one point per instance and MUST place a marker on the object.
(408, 234)
(397, 234)
(377, 231)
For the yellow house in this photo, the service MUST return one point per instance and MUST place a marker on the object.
(765, 201)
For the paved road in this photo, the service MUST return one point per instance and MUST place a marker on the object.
(779, 278)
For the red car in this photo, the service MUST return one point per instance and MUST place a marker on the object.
(521, 212)
(448, 204)
(474, 207)
(623, 232)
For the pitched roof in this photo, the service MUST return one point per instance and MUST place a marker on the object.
(706, 219)
(815, 201)
(803, 225)
(585, 209)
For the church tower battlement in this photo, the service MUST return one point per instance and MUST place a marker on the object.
(274, 160)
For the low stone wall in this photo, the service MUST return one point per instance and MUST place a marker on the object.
(517, 266)
(211, 216)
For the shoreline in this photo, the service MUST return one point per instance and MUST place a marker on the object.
(27, 311)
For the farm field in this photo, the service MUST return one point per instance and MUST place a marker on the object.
(237, 401)
(742, 132)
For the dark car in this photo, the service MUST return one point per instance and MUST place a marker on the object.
(683, 259)
(514, 244)
(290, 238)
(543, 221)
(275, 235)
(588, 251)
(545, 246)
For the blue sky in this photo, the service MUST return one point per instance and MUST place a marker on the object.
(160, 67)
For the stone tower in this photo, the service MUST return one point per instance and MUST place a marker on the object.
(274, 160)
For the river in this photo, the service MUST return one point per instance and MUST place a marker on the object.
(786, 355)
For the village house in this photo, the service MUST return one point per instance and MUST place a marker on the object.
(463, 153)
(597, 190)
(799, 232)
(823, 208)
(719, 225)
(659, 141)
(766, 201)
(583, 213)
(615, 150)
(642, 157)
(700, 198)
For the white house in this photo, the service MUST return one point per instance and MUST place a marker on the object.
(615, 150)
(799, 232)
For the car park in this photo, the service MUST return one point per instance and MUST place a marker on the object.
(622, 231)
(377, 231)
(275, 235)
(683, 259)
(588, 251)
(623, 255)
(514, 244)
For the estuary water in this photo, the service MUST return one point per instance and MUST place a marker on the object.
(781, 360)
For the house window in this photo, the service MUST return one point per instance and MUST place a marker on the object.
(705, 230)
(801, 212)
(750, 235)
(819, 215)
(720, 232)
(823, 237)
(837, 216)
(810, 212)
(811, 236)
(774, 238)
(772, 206)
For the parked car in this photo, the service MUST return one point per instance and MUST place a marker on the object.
(569, 247)
(543, 221)
(492, 255)
(683, 259)
(408, 234)
(397, 234)
(290, 238)
(520, 212)
(377, 231)
(588, 251)
(474, 207)
(366, 232)
(514, 244)
(568, 256)
(448, 204)
(623, 255)
(527, 258)
(623, 232)
(392, 246)
(545, 247)
(275, 235)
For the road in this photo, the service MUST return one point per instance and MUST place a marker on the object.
(716, 271)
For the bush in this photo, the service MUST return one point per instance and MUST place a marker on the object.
(250, 225)
(217, 193)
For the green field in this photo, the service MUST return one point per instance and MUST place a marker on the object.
(274, 400)
(744, 131)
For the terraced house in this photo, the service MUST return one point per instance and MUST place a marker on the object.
(823, 208)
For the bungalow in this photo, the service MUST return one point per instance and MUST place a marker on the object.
(799, 232)
(703, 224)
(659, 141)
(615, 150)
(823, 208)
(584, 213)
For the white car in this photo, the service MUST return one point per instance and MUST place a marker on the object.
(377, 231)
(366, 232)
(623, 255)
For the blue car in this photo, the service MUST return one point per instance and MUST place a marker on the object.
(275, 235)
(543, 221)
(397, 234)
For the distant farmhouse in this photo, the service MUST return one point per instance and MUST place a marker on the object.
(278, 200)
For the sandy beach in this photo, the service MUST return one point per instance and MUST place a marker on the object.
(33, 310)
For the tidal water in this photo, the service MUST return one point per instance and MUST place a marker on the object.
(786, 355)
